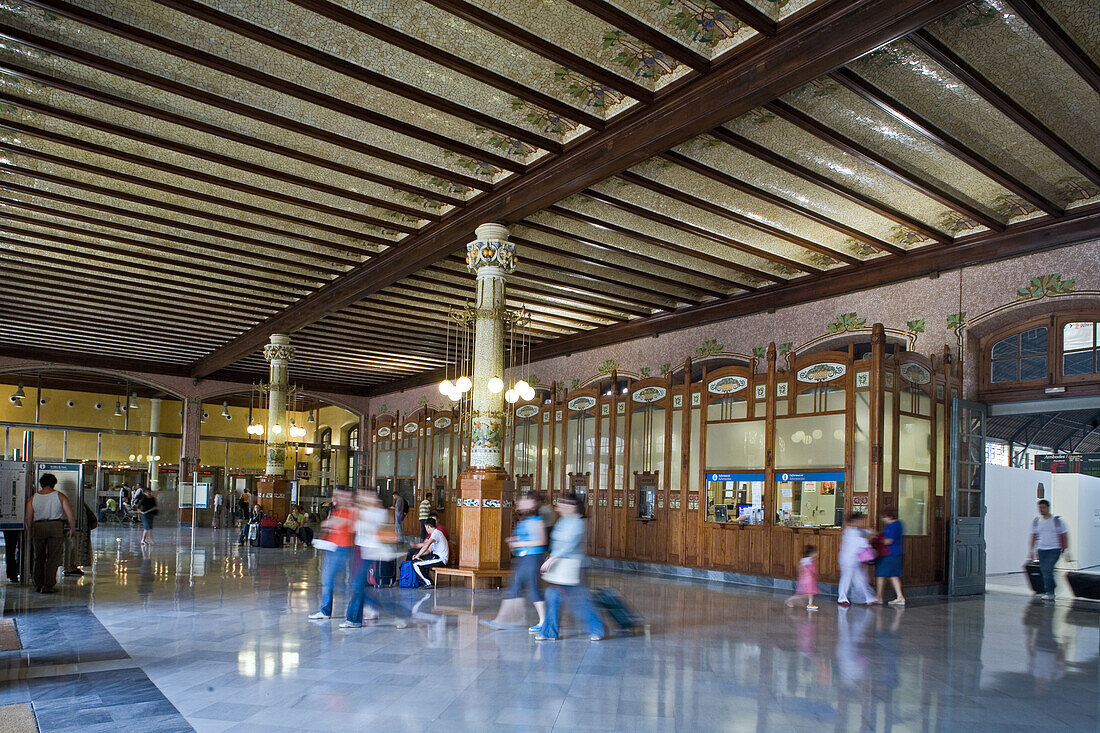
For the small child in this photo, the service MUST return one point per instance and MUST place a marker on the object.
(807, 579)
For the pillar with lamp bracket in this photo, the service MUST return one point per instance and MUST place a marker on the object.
(273, 489)
(485, 488)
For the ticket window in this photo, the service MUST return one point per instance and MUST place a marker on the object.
(735, 501)
(810, 503)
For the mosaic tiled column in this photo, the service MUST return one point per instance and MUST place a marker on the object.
(154, 443)
(278, 353)
(485, 489)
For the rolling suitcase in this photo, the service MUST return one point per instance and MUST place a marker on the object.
(1085, 585)
(1034, 576)
(382, 573)
(270, 537)
(254, 534)
(612, 601)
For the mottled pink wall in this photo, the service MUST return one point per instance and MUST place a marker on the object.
(973, 290)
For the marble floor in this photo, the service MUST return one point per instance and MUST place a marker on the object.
(213, 637)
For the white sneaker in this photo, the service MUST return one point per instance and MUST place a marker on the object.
(319, 616)
(350, 625)
(370, 615)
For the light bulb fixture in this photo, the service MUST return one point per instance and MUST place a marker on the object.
(455, 394)
(156, 458)
(225, 411)
(511, 397)
(496, 385)
(139, 458)
(310, 420)
(464, 384)
(521, 386)
(16, 401)
(529, 393)
(133, 401)
(445, 387)
(132, 457)
(19, 391)
(71, 403)
(276, 429)
(309, 451)
(118, 409)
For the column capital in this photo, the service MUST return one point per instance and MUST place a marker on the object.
(491, 249)
(279, 348)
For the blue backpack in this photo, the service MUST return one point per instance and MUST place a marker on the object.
(408, 577)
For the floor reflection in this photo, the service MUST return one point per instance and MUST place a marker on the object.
(221, 630)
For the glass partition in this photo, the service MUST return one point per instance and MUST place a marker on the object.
(804, 442)
(735, 445)
(525, 447)
(861, 447)
(913, 503)
(810, 499)
(735, 497)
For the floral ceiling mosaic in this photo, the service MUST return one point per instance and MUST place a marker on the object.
(262, 152)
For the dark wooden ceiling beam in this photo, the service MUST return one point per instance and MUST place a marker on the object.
(610, 278)
(956, 65)
(800, 171)
(682, 226)
(645, 33)
(1056, 37)
(540, 319)
(542, 47)
(262, 244)
(941, 138)
(581, 241)
(114, 276)
(55, 301)
(444, 58)
(920, 184)
(190, 54)
(100, 342)
(200, 96)
(117, 324)
(314, 55)
(242, 258)
(220, 181)
(751, 15)
(665, 244)
(733, 216)
(203, 153)
(211, 199)
(812, 45)
(756, 192)
(205, 273)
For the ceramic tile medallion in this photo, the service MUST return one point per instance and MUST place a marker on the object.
(410, 427)
(605, 408)
(649, 394)
(677, 401)
(620, 408)
(696, 399)
(760, 391)
(781, 389)
(727, 385)
(443, 422)
(824, 372)
(581, 403)
(526, 411)
(914, 373)
(384, 432)
(888, 377)
(863, 379)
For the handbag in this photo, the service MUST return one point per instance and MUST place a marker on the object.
(563, 571)
(866, 555)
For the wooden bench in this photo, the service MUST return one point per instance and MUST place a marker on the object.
(477, 578)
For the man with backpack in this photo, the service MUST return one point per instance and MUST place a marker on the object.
(1048, 540)
(400, 509)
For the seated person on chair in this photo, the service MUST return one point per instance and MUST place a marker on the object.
(257, 515)
(294, 521)
(433, 552)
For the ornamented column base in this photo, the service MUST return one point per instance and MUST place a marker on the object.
(273, 495)
(484, 518)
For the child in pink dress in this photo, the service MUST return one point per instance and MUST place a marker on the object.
(807, 579)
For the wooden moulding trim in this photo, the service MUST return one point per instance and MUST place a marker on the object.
(787, 166)
(290, 89)
(540, 46)
(756, 192)
(933, 191)
(261, 192)
(750, 14)
(939, 52)
(202, 153)
(449, 60)
(813, 45)
(201, 96)
(188, 193)
(355, 71)
(645, 33)
(1055, 37)
(1031, 236)
(941, 138)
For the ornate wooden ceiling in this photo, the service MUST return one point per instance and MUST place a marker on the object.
(181, 178)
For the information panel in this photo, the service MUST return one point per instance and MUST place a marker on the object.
(70, 482)
(13, 493)
(194, 496)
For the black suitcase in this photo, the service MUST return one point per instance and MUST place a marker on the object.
(1034, 576)
(1085, 585)
(612, 601)
(270, 537)
(382, 573)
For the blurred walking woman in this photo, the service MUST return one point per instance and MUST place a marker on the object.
(563, 571)
(529, 546)
(147, 507)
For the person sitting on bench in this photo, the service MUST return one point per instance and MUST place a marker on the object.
(295, 520)
(257, 515)
(434, 551)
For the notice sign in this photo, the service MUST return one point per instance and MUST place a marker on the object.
(194, 496)
(859, 500)
(13, 493)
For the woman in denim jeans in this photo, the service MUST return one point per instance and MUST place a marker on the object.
(528, 544)
(563, 571)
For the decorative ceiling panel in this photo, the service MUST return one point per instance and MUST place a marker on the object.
(780, 9)
(698, 24)
(919, 82)
(1011, 54)
(456, 35)
(1081, 20)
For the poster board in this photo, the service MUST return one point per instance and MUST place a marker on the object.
(70, 482)
(13, 493)
(194, 496)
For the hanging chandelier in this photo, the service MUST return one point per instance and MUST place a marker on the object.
(462, 363)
